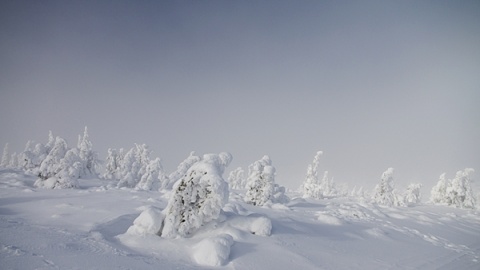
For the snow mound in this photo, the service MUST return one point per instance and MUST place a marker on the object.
(255, 225)
(148, 222)
(213, 251)
(328, 219)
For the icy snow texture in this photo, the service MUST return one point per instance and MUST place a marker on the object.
(213, 251)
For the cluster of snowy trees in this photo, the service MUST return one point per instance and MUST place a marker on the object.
(386, 194)
(135, 168)
(456, 192)
(312, 187)
(56, 164)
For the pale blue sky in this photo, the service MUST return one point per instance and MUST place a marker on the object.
(374, 84)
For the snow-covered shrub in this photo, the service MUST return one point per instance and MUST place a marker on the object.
(236, 179)
(327, 186)
(154, 177)
(384, 192)
(412, 196)
(198, 197)
(457, 192)
(260, 182)
(182, 169)
(279, 195)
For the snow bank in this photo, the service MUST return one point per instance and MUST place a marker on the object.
(148, 222)
(213, 251)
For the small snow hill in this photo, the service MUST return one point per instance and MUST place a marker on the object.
(87, 228)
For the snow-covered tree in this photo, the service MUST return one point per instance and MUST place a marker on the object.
(198, 197)
(311, 185)
(182, 168)
(459, 192)
(13, 161)
(133, 166)
(260, 182)
(438, 194)
(412, 196)
(50, 165)
(5, 156)
(87, 155)
(384, 192)
(327, 186)
(111, 164)
(154, 177)
(236, 179)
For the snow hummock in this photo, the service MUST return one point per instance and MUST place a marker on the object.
(213, 251)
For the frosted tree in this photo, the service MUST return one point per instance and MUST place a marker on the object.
(128, 170)
(154, 177)
(60, 168)
(438, 194)
(50, 165)
(4, 162)
(87, 155)
(412, 196)
(13, 161)
(198, 197)
(459, 192)
(236, 179)
(182, 168)
(111, 164)
(327, 186)
(311, 185)
(384, 192)
(260, 182)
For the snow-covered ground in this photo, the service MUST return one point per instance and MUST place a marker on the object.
(87, 228)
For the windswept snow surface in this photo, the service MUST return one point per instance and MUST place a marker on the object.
(87, 228)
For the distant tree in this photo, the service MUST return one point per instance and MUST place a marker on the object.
(198, 197)
(413, 195)
(438, 194)
(50, 165)
(182, 169)
(13, 161)
(260, 182)
(133, 166)
(327, 186)
(311, 186)
(236, 179)
(87, 155)
(459, 192)
(384, 192)
(111, 164)
(4, 163)
(154, 177)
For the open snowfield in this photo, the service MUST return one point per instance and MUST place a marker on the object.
(86, 228)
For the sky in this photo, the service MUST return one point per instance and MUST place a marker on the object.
(373, 84)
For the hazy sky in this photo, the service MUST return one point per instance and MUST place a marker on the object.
(374, 84)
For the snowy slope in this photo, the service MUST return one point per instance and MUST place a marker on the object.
(86, 229)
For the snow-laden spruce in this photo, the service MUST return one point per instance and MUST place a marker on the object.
(154, 177)
(457, 192)
(261, 187)
(4, 163)
(311, 186)
(133, 166)
(384, 193)
(198, 197)
(412, 195)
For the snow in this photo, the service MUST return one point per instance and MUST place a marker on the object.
(99, 226)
